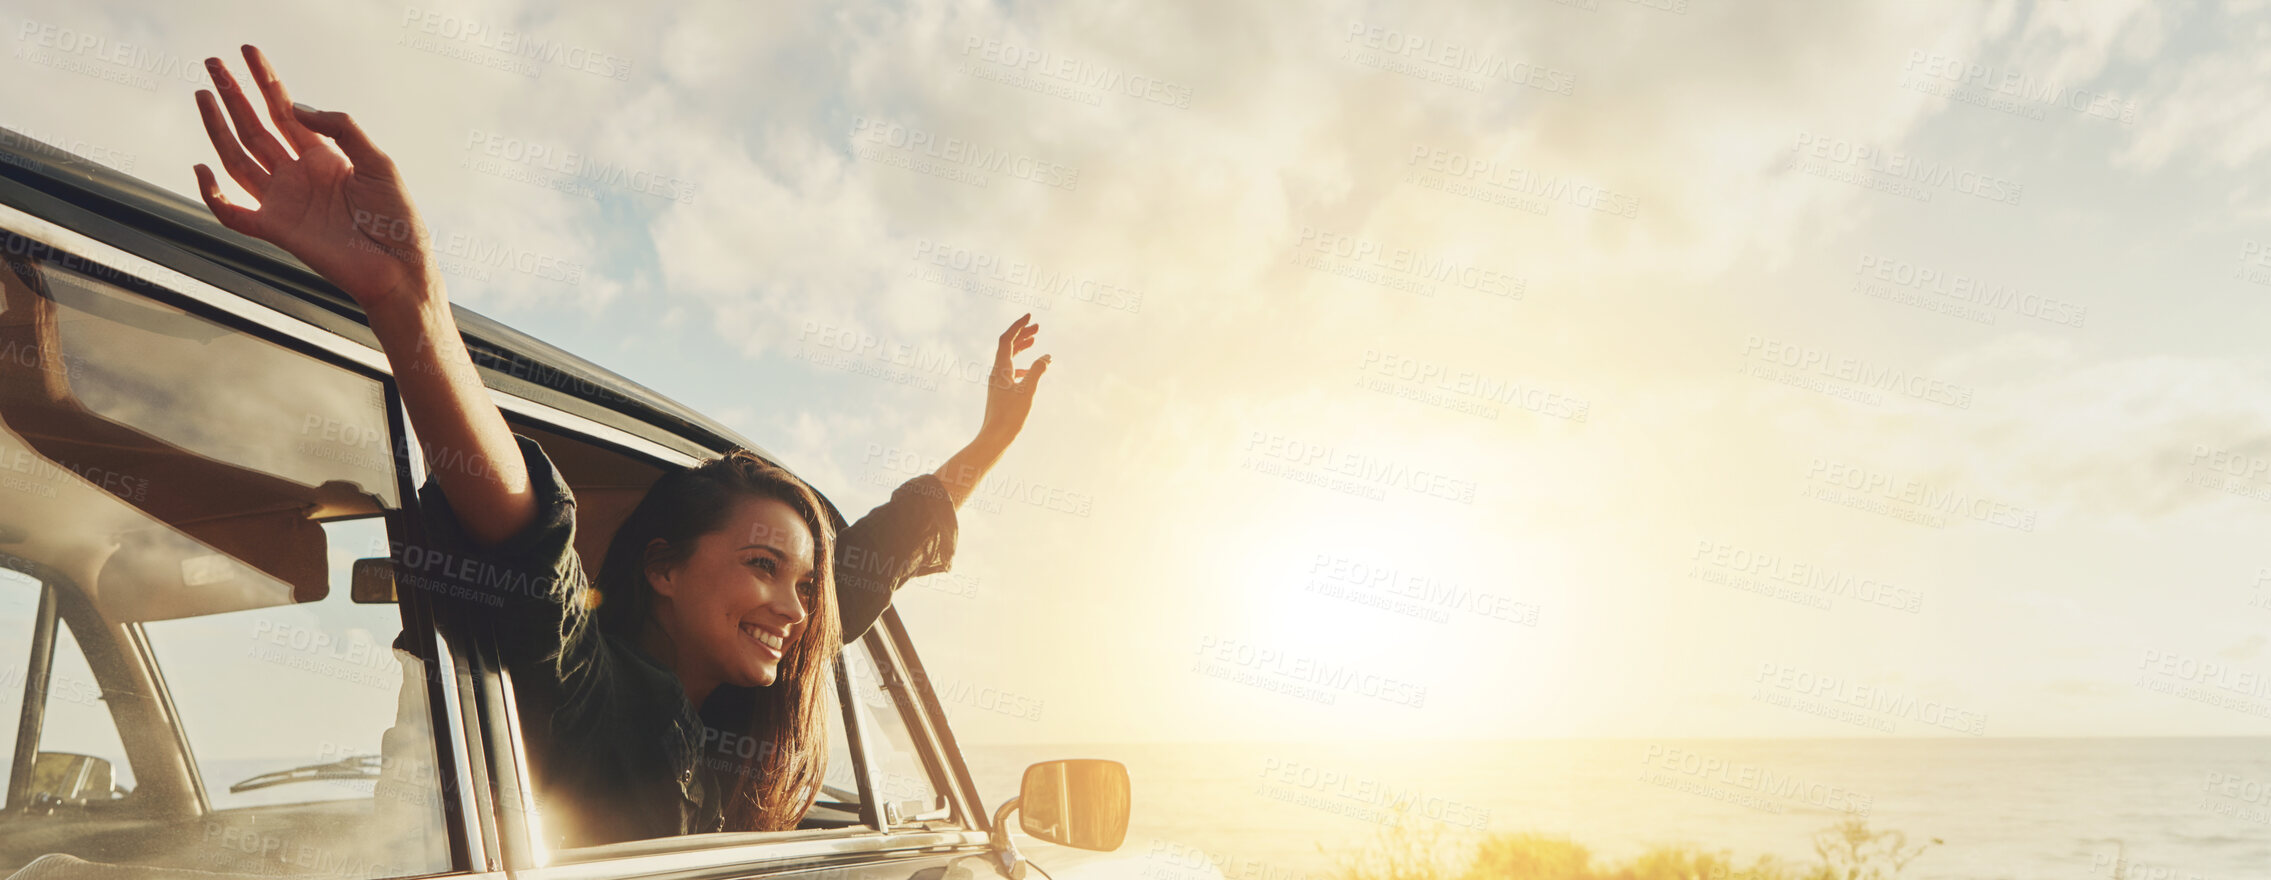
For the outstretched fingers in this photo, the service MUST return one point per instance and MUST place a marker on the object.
(1032, 377)
(232, 215)
(342, 130)
(1008, 346)
(246, 172)
(250, 129)
(1009, 340)
(279, 101)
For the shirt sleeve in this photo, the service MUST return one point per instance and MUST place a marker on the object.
(529, 589)
(907, 537)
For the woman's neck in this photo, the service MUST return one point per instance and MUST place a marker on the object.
(662, 647)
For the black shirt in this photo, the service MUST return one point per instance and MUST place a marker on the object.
(614, 744)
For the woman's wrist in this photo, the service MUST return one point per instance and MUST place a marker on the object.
(962, 473)
(992, 441)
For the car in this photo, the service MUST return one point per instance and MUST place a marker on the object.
(224, 656)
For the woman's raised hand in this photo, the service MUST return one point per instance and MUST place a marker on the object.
(330, 198)
(1009, 399)
(1009, 391)
(327, 195)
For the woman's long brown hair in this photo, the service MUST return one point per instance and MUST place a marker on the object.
(770, 749)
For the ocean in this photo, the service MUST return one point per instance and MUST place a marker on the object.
(2172, 808)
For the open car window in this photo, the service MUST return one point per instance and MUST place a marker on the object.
(607, 483)
(902, 779)
(191, 497)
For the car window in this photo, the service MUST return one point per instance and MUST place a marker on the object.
(903, 781)
(329, 683)
(607, 484)
(195, 495)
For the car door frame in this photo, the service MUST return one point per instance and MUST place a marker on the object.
(448, 701)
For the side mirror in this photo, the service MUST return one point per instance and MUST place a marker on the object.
(59, 777)
(1081, 803)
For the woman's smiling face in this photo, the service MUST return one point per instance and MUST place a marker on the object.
(741, 596)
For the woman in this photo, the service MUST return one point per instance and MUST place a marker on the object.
(682, 691)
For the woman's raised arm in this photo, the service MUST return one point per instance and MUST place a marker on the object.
(328, 196)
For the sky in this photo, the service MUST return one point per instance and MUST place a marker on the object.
(1603, 368)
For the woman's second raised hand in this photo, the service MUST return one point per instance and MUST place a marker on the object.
(1009, 391)
(1009, 399)
(326, 194)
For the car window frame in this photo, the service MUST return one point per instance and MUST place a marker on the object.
(873, 837)
(39, 672)
(506, 726)
(135, 276)
(119, 661)
(915, 688)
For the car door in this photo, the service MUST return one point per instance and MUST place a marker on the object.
(186, 480)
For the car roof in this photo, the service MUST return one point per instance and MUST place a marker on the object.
(172, 231)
